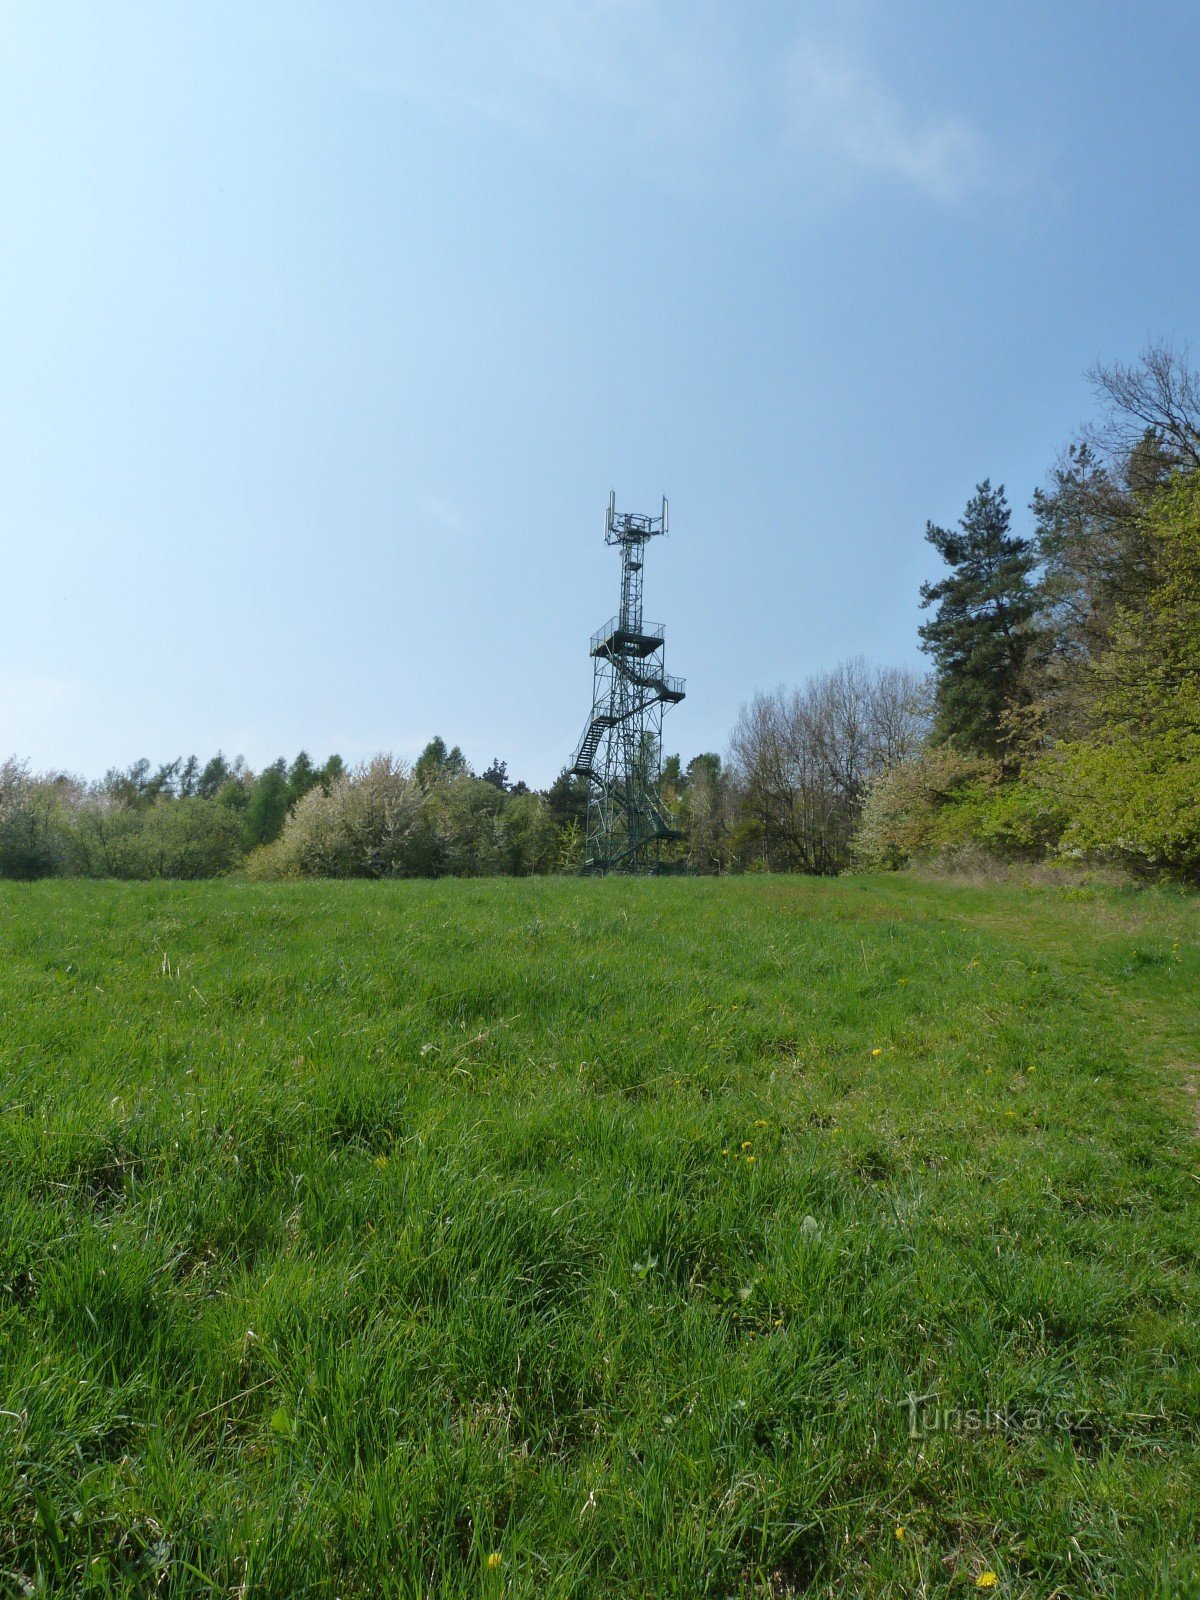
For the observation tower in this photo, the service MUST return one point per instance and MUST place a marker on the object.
(620, 752)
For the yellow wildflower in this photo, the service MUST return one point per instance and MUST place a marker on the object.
(986, 1580)
(877, 1051)
(749, 1158)
(745, 1144)
(900, 1532)
(494, 1560)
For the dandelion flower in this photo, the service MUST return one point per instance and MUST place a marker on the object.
(760, 1123)
(745, 1144)
(494, 1560)
(900, 1532)
(986, 1580)
(749, 1158)
(877, 1051)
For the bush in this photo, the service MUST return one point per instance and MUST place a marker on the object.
(190, 838)
(33, 823)
(367, 826)
(1136, 803)
(380, 821)
(530, 841)
(903, 814)
(945, 801)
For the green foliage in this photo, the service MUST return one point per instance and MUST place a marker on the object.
(190, 838)
(567, 798)
(33, 835)
(353, 1234)
(379, 821)
(366, 826)
(1133, 787)
(979, 636)
(213, 779)
(302, 776)
(1135, 803)
(944, 801)
(529, 839)
(461, 818)
(138, 785)
(1092, 697)
(267, 805)
(436, 762)
(906, 813)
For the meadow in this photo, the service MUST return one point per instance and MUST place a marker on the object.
(696, 1238)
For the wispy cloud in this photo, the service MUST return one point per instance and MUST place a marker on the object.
(686, 91)
(840, 113)
(660, 72)
(444, 513)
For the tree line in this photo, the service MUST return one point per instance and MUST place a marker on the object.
(1060, 717)
(786, 798)
(188, 820)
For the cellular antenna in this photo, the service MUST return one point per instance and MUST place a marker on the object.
(620, 753)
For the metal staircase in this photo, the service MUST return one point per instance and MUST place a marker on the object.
(585, 753)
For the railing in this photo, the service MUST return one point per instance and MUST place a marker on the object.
(648, 630)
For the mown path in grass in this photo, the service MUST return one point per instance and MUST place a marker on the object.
(573, 1238)
(1134, 948)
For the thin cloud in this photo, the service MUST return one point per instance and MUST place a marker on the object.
(839, 112)
(691, 93)
(447, 515)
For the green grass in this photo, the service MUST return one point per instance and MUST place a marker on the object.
(350, 1235)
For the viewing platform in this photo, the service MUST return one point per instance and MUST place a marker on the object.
(661, 684)
(613, 640)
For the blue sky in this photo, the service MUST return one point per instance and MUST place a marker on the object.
(327, 328)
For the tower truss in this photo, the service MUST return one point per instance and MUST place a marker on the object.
(620, 752)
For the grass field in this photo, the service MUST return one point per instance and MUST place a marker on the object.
(586, 1238)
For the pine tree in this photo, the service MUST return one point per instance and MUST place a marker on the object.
(980, 636)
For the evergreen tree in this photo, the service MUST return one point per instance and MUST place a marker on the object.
(496, 774)
(329, 774)
(436, 762)
(267, 807)
(567, 798)
(980, 636)
(671, 781)
(431, 763)
(213, 779)
(302, 776)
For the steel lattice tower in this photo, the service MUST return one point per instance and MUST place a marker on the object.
(620, 753)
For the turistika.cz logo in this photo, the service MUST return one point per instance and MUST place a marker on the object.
(927, 1415)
